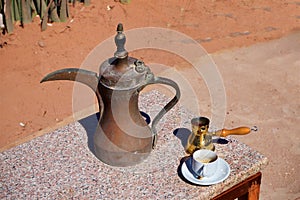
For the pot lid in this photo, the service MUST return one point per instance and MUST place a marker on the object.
(122, 71)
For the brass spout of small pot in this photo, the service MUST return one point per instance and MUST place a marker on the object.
(236, 131)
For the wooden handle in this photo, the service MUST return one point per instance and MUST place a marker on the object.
(235, 131)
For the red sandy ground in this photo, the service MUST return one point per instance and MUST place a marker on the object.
(29, 54)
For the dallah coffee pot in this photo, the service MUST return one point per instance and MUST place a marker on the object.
(122, 137)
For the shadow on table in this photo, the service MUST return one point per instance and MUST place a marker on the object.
(90, 124)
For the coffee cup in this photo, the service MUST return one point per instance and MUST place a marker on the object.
(204, 163)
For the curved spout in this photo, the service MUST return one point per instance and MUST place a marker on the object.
(86, 77)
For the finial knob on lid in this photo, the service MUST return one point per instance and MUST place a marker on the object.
(120, 40)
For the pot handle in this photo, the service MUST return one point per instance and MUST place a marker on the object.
(167, 107)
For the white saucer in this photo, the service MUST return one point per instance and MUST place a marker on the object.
(222, 173)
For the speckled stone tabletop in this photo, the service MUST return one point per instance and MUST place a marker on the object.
(61, 164)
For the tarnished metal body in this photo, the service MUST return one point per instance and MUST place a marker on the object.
(122, 138)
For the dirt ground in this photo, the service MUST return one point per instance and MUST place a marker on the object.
(29, 109)
(28, 54)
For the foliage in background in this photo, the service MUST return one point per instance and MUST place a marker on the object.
(23, 11)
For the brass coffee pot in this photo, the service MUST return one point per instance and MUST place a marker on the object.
(122, 137)
(201, 138)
